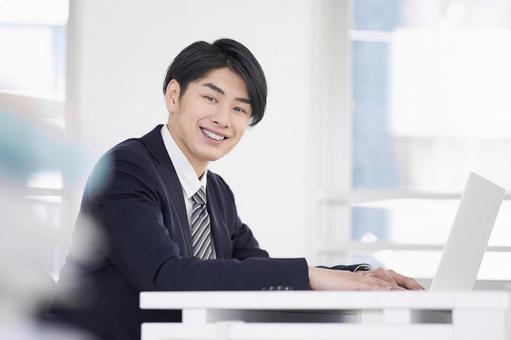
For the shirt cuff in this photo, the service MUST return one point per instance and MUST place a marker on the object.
(364, 267)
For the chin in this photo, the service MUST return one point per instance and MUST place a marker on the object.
(211, 157)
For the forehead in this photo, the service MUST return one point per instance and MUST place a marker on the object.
(227, 80)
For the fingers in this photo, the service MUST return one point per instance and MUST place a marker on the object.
(382, 274)
(370, 281)
(404, 281)
(395, 279)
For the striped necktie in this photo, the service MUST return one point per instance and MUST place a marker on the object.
(201, 231)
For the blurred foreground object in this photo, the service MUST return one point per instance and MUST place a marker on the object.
(25, 241)
(26, 148)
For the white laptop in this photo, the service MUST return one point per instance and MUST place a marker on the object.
(470, 232)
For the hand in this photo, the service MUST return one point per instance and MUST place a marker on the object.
(394, 278)
(329, 279)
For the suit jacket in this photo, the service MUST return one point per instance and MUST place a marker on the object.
(135, 199)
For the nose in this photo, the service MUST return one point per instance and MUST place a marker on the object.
(222, 118)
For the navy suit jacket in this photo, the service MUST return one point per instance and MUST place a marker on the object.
(135, 199)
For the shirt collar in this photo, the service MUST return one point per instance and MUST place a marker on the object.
(185, 172)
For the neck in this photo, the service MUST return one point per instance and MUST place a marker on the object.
(198, 166)
(200, 170)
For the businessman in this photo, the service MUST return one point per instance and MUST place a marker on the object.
(169, 222)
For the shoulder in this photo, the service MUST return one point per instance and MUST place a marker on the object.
(127, 160)
(149, 147)
(130, 155)
(132, 149)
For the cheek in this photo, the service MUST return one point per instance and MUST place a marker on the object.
(241, 125)
(202, 113)
(240, 131)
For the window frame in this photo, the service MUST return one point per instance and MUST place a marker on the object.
(332, 238)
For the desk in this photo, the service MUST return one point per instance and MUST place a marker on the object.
(331, 315)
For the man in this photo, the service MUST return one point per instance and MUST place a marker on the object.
(169, 223)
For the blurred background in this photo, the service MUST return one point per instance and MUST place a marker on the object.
(377, 112)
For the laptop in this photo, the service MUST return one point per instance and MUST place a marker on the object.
(470, 232)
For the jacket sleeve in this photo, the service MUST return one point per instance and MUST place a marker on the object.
(128, 208)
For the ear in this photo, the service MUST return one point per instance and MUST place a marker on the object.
(172, 96)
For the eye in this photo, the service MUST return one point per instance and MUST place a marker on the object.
(210, 99)
(239, 109)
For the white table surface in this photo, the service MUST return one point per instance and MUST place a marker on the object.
(393, 315)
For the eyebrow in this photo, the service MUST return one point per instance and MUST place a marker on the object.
(222, 92)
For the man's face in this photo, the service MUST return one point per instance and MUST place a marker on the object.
(208, 120)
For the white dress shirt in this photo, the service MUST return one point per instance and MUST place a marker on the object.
(185, 172)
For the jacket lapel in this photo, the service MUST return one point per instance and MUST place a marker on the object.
(219, 231)
(154, 143)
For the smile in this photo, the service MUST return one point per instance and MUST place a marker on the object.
(212, 135)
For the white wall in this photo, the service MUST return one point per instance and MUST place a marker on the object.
(119, 51)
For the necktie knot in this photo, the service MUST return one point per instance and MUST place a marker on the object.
(200, 196)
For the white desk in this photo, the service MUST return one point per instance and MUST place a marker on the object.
(331, 315)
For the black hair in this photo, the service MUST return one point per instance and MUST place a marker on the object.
(201, 57)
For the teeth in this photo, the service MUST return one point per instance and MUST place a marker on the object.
(213, 135)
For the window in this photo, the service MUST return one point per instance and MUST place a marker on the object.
(32, 84)
(429, 83)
